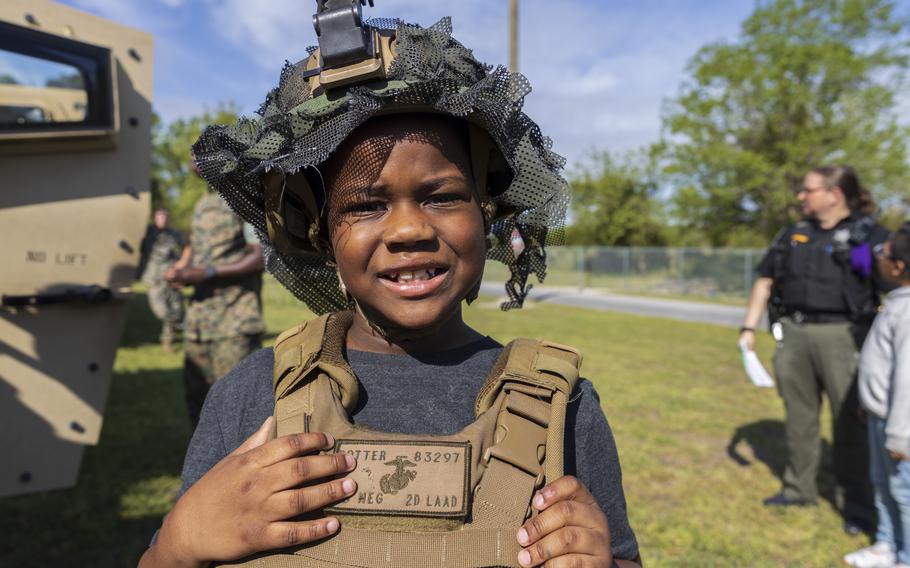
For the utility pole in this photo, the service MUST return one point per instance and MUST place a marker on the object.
(513, 36)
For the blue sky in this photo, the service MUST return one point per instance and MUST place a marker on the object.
(600, 68)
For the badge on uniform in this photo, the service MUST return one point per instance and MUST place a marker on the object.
(408, 477)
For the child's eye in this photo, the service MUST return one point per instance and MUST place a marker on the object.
(444, 198)
(365, 208)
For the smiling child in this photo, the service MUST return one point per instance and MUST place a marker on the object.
(388, 432)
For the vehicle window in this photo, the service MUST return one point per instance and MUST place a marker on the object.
(51, 84)
(34, 90)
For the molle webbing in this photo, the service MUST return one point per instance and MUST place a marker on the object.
(301, 354)
(532, 374)
(525, 396)
(469, 548)
(534, 380)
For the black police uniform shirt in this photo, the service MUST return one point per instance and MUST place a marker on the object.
(428, 393)
(809, 278)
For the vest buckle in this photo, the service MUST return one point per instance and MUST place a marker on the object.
(520, 439)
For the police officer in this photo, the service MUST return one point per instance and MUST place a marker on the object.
(161, 247)
(823, 289)
(223, 324)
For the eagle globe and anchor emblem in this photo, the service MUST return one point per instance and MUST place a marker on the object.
(392, 483)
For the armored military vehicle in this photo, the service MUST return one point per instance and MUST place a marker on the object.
(75, 117)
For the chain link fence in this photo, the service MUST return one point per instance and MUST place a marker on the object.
(714, 274)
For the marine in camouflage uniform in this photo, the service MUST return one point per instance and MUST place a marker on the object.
(224, 319)
(166, 303)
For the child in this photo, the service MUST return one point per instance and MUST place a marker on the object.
(884, 388)
(384, 197)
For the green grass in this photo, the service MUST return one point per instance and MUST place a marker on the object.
(674, 393)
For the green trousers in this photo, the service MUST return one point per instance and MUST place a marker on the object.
(812, 359)
(167, 305)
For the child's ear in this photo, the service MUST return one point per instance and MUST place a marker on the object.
(898, 268)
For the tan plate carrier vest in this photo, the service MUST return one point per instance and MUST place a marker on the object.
(454, 501)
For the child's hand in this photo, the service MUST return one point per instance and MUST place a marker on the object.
(898, 455)
(245, 502)
(570, 530)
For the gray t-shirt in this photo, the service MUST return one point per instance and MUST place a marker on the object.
(430, 393)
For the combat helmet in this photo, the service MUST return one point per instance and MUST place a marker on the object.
(268, 168)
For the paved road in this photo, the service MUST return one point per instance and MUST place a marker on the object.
(674, 309)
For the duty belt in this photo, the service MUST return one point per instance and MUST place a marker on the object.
(799, 316)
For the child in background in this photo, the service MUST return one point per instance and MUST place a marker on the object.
(884, 388)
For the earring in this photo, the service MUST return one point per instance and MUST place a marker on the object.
(488, 210)
(343, 288)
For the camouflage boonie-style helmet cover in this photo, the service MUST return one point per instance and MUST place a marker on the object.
(431, 72)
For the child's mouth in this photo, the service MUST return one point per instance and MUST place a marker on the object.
(413, 283)
(406, 276)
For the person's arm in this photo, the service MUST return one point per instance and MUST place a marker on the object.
(897, 424)
(170, 275)
(251, 262)
(248, 501)
(758, 300)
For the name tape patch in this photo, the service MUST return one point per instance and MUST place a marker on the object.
(415, 478)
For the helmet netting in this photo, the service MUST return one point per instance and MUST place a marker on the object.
(432, 70)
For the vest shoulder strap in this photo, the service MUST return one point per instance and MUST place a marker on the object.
(302, 354)
(536, 378)
(532, 366)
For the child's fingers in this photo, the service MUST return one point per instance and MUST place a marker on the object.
(258, 438)
(294, 502)
(570, 522)
(566, 487)
(569, 546)
(284, 534)
(290, 446)
(559, 516)
(295, 471)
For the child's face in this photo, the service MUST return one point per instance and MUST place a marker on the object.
(404, 222)
(888, 266)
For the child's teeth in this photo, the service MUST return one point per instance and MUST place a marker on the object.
(412, 276)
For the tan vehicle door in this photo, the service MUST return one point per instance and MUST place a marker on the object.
(75, 118)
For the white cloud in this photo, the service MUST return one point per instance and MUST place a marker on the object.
(271, 31)
(600, 68)
(282, 29)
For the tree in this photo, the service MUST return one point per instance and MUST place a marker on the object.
(809, 82)
(614, 203)
(174, 184)
(8, 79)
